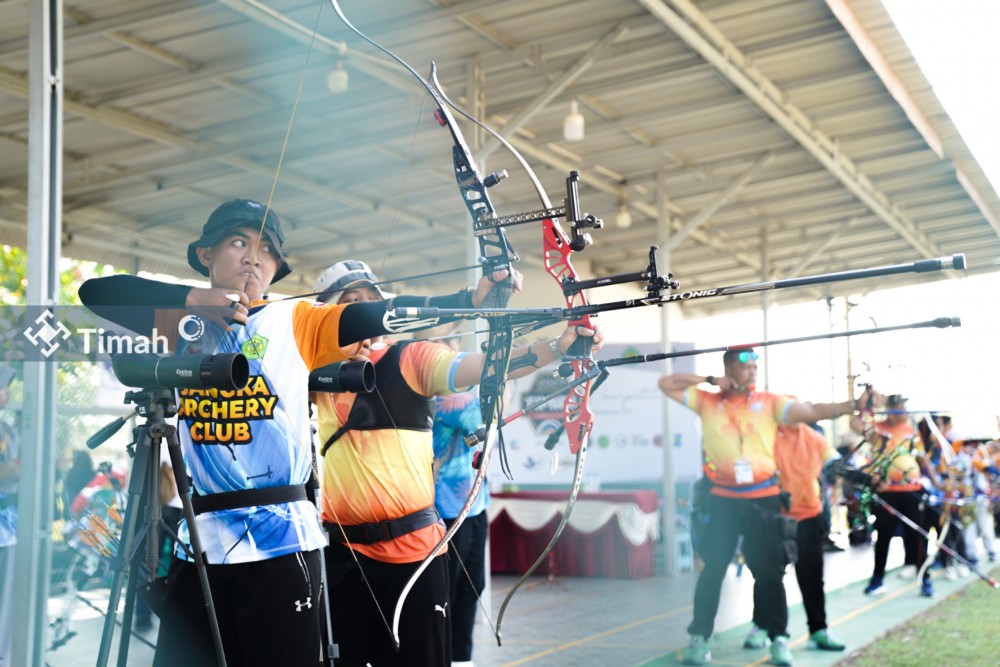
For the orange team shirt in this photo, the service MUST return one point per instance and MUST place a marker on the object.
(743, 427)
(902, 448)
(378, 475)
(800, 453)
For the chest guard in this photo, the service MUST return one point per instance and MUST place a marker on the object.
(393, 404)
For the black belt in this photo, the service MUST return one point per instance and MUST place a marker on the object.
(370, 533)
(230, 500)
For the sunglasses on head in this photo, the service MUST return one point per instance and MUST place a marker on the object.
(747, 355)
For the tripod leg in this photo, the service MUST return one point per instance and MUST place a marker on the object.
(136, 486)
(150, 503)
(177, 462)
(332, 650)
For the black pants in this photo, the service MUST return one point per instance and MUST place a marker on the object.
(728, 518)
(468, 548)
(906, 503)
(269, 613)
(362, 624)
(809, 570)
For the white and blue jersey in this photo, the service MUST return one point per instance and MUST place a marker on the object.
(258, 436)
(456, 416)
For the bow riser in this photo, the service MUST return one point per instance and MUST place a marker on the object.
(577, 416)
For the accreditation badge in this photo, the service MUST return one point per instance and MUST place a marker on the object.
(743, 471)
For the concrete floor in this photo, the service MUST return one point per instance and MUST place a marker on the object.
(582, 622)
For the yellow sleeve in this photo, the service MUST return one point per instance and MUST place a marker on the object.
(692, 398)
(429, 368)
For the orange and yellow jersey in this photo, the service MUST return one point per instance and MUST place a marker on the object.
(800, 453)
(381, 474)
(901, 449)
(739, 428)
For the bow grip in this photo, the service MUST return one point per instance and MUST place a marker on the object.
(583, 345)
(500, 294)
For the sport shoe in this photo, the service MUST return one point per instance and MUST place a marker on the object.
(822, 640)
(875, 587)
(696, 652)
(908, 572)
(927, 588)
(757, 639)
(950, 573)
(780, 653)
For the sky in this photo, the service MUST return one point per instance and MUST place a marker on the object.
(956, 369)
(955, 44)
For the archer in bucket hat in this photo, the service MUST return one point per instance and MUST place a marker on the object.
(240, 213)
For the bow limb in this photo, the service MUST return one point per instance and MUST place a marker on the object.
(496, 255)
(581, 455)
(557, 248)
(495, 371)
(947, 453)
(578, 420)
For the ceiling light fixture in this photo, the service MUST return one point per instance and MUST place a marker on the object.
(623, 219)
(573, 123)
(337, 79)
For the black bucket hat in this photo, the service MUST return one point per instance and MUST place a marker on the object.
(240, 213)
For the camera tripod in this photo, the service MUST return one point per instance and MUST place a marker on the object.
(155, 405)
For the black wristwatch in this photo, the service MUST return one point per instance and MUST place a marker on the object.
(710, 379)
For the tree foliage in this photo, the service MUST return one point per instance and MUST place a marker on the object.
(77, 381)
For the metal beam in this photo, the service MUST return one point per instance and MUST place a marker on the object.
(818, 250)
(161, 132)
(153, 51)
(720, 200)
(33, 553)
(701, 35)
(669, 479)
(387, 71)
(590, 178)
(555, 88)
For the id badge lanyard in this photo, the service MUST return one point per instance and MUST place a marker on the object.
(742, 470)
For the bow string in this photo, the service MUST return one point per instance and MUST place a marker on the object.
(557, 251)
(496, 255)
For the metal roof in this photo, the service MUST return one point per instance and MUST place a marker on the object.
(792, 137)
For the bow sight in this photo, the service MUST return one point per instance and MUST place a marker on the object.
(570, 211)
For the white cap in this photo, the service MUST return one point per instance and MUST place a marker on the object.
(342, 276)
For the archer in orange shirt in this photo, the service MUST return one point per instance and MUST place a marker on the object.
(897, 460)
(739, 427)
